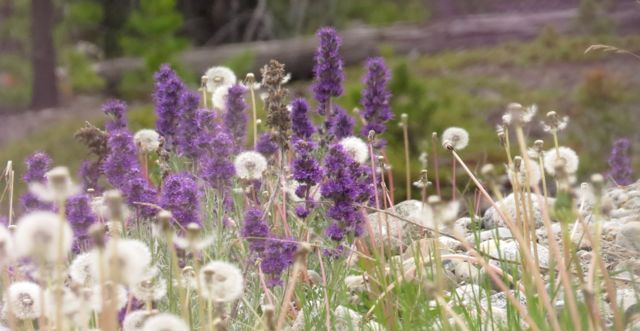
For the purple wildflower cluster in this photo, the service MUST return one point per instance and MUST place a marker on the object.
(81, 217)
(235, 117)
(347, 184)
(620, 162)
(167, 96)
(180, 196)
(187, 129)
(117, 112)
(301, 125)
(275, 254)
(307, 172)
(266, 144)
(375, 98)
(122, 170)
(340, 124)
(328, 68)
(216, 148)
(37, 166)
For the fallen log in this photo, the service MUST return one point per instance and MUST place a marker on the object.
(360, 43)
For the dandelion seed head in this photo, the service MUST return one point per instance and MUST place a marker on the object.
(356, 148)
(127, 258)
(147, 140)
(221, 282)
(70, 303)
(134, 321)
(80, 268)
(23, 299)
(217, 77)
(114, 296)
(38, 236)
(525, 174)
(250, 165)
(7, 252)
(58, 186)
(565, 158)
(165, 322)
(456, 138)
(151, 287)
(219, 97)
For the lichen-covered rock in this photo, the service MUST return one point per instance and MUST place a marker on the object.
(388, 228)
(492, 218)
(629, 236)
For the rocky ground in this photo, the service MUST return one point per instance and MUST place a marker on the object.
(408, 239)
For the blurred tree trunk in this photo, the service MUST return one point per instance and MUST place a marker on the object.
(43, 55)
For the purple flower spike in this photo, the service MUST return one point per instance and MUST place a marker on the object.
(117, 112)
(37, 166)
(121, 160)
(620, 162)
(215, 149)
(266, 144)
(235, 118)
(340, 125)
(180, 196)
(347, 184)
(328, 68)
(300, 123)
(166, 96)
(140, 194)
(80, 216)
(375, 98)
(306, 169)
(187, 128)
(276, 254)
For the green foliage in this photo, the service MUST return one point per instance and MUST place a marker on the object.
(592, 17)
(81, 75)
(15, 81)
(151, 34)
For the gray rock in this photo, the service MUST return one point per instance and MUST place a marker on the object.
(492, 219)
(469, 293)
(387, 228)
(499, 300)
(509, 250)
(497, 233)
(466, 272)
(629, 236)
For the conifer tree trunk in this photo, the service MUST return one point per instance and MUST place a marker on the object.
(43, 55)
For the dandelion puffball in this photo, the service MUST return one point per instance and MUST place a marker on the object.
(250, 165)
(147, 140)
(564, 157)
(151, 287)
(217, 77)
(456, 138)
(6, 246)
(356, 148)
(58, 186)
(134, 321)
(80, 268)
(165, 322)
(127, 259)
(523, 173)
(23, 300)
(220, 282)
(219, 97)
(38, 236)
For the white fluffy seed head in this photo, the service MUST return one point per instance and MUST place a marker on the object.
(250, 165)
(70, 303)
(219, 97)
(147, 140)
(217, 77)
(7, 249)
(523, 173)
(38, 236)
(356, 148)
(134, 321)
(456, 138)
(152, 287)
(126, 259)
(221, 282)
(565, 158)
(165, 322)
(80, 268)
(58, 186)
(23, 300)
